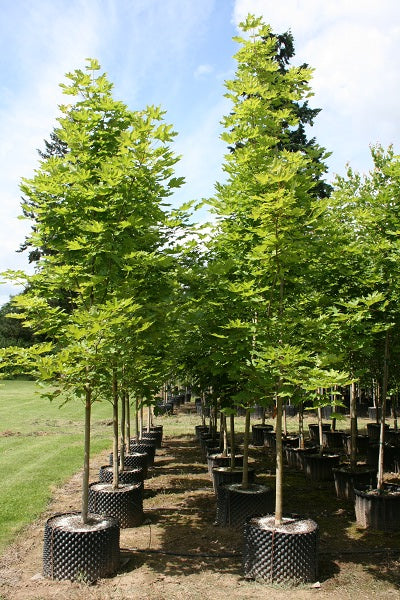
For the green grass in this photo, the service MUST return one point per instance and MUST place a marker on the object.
(41, 445)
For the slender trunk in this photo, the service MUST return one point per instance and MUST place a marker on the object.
(334, 410)
(136, 417)
(301, 425)
(263, 416)
(383, 411)
(353, 427)
(127, 420)
(86, 459)
(284, 420)
(279, 463)
(225, 435)
(148, 419)
(115, 430)
(122, 435)
(203, 410)
(141, 419)
(245, 478)
(377, 402)
(319, 411)
(395, 405)
(232, 435)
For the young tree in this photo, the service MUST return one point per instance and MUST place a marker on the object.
(266, 216)
(100, 229)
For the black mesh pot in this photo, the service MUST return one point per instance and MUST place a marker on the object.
(378, 510)
(333, 440)
(77, 552)
(235, 505)
(362, 442)
(374, 430)
(158, 429)
(295, 456)
(126, 476)
(226, 475)
(319, 467)
(270, 439)
(346, 481)
(313, 428)
(258, 433)
(125, 503)
(199, 429)
(150, 437)
(283, 554)
(135, 460)
(144, 448)
(218, 460)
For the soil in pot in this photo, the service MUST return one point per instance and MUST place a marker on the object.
(76, 551)
(235, 504)
(124, 503)
(219, 460)
(347, 479)
(286, 553)
(227, 475)
(378, 509)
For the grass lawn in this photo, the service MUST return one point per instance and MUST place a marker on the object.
(41, 445)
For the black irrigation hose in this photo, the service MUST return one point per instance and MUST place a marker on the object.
(239, 554)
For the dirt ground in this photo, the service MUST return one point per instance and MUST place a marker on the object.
(179, 554)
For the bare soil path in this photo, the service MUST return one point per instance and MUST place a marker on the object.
(179, 554)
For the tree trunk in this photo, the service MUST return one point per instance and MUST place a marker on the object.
(232, 435)
(115, 431)
(301, 425)
(319, 411)
(353, 427)
(136, 417)
(279, 463)
(224, 433)
(141, 419)
(245, 478)
(148, 419)
(128, 419)
(284, 420)
(383, 411)
(86, 459)
(122, 435)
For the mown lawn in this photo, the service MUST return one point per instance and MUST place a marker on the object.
(41, 445)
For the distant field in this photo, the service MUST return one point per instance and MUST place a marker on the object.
(41, 445)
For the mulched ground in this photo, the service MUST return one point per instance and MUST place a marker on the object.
(179, 553)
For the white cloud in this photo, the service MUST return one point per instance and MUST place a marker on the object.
(203, 70)
(353, 47)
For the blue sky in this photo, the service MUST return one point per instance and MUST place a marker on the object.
(177, 54)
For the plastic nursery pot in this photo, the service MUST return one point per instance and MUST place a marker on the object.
(346, 480)
(127, 476)
(378, 510)
(235, 504)
(286, 553)
(313, 429)
(124, 503)
(80, 552)
(217, 459)
(258, 432)
(319, 467)
(134, 460)
(227, 475)
(143, 447)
